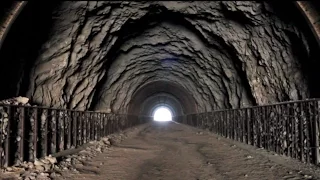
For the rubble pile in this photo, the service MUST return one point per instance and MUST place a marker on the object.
(39, 169)
(49, 167)
(16, 101)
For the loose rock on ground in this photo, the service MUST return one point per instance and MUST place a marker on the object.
(49, 167)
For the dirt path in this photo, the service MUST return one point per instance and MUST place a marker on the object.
(171, 151)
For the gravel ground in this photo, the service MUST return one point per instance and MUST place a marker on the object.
(175, 151)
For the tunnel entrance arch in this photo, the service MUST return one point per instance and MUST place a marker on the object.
(161, 99)
(157, 93)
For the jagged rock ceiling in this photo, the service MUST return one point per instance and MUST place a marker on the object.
(220, 54)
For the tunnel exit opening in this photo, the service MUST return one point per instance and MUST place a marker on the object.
(162, 113)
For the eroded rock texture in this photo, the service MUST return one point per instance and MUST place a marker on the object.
(225, 54)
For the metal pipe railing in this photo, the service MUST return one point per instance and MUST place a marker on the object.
(288, 128)
(28, 132)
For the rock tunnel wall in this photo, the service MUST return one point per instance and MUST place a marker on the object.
(222, 54)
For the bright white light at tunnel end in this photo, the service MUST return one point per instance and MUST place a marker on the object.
(162, 113)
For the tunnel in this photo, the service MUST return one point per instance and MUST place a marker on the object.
(132, 58)
(128, 57)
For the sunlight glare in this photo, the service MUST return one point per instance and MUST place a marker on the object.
(162, 114)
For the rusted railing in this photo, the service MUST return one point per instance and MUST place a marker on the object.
(290, 128)
(28, 132)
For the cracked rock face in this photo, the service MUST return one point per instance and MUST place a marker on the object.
(223, 54)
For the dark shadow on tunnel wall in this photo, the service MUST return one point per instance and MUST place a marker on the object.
(5, 9)
(310, 63)
(22, 45)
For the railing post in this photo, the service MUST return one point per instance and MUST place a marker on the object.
(287, 119)
(80, 126)
(248, 120)
(316, 134)
(44, 123)
(95, 125)
(292, 130)
(218, 117)
(108, 124)
(262, 129)
(8, 120)
(54, 121)
(302, 158)
(63, 131)
(87, 127)
(21, 135)
(211, 121)
(29, 136)
(259, 128)
(296, 130)
(35, 134)
(111, 124)
(235, 125)
(221, 123)
(82, 129)
(99, 126)
(93, 121)
(122, 119)
(117, 123)
(104, 125)
(106, 130)
(267, 127)
(243, 136)
(90, 126)
(227, 126)
(75, 117)
(231, 124)
(69, 121)
(308, 120)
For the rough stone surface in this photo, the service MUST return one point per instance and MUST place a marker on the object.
(226, 54)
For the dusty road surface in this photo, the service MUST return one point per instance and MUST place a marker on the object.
(171, 151)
